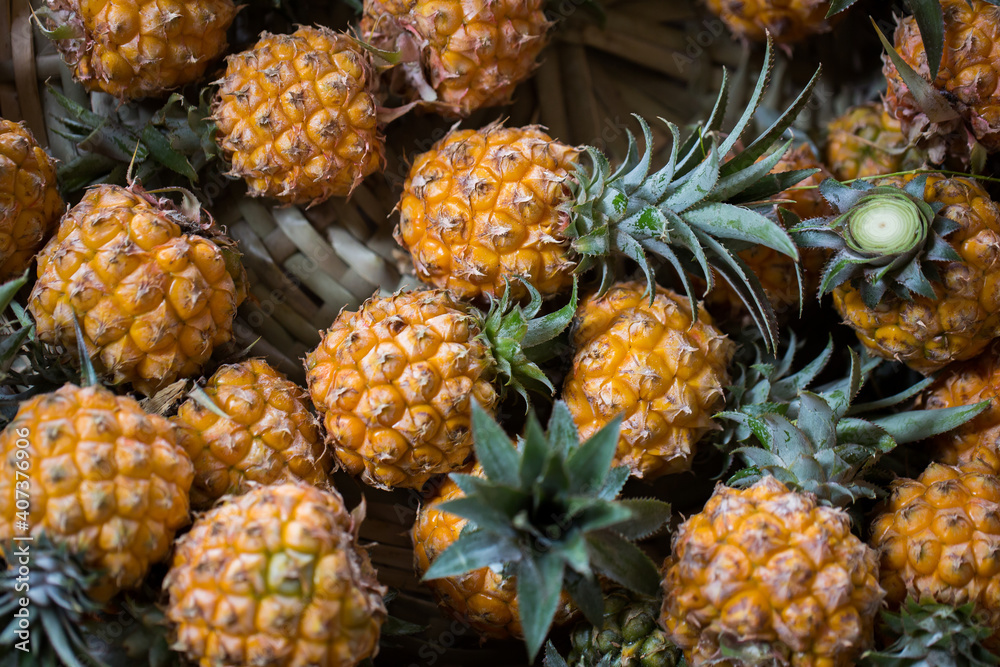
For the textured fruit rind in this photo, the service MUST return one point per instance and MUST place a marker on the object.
(269, 436)
(483, 598)
(472, 54)
(939, 538)
(787, 21)
(482, 208)
(769, 565)
(296, 116)
(275, 577)
(30, 204)
(151, 299)
(867, 141)
(106, 479)
(655, 365)
(394, 383)
(926, 334)
(139, 48)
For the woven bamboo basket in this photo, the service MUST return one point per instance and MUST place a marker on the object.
(656, 58)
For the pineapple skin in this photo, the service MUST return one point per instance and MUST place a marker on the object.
(968, 76)
(482, 208)
(868, 141)
(107, 479)
(269, 436)
(394, 383)
(30, 204)
(484, 599)
(297, 118)
(769, 565)
(788, 21)
(927, 334)
(275, 577)
(142, 48)
(939, 538)
(152, 297)
(655, 365)
(473, 54)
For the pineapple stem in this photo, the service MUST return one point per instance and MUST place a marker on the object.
(886, 224)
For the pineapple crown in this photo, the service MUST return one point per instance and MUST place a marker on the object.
(882, 238)
(546, 512)
(934, 634)
(819, 442)
(513, 331)
(694, 213)
(56, 587)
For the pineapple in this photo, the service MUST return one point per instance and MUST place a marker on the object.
(275, 577)
(771, 568)
(540, 524)
(787, 21)
(939, 538)
(914, 272)
(485, 598)
(107, 480)
(30, 204)
(395, 380)
(867, 141)
(628, 637)
(967, 68)
(499, 205)
(297, 118)
(934, 634)
(459, 56)
(153, 287)
(264, 435)
(139, 48)
(655, 365)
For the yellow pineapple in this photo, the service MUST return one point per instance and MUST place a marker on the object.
(462, 55)
(268, 435)
(297, 118)
(153, 287)
(30, 204)
(939, 538)
(140, 48)
(653, 364)
(867, 141)
(275, 577)
(787, 21)
(94, 472)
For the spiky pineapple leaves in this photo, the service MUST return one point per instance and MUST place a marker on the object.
(882, 237)
(695, 212)
(546, 512)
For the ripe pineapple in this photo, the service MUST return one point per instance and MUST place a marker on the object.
(153, 287)
(483, 208)
(275, 577)
(538, 526)
(966, 79)
(775, 270)
(867, 141)
(787, 21)
(30, 204)
(939, 538)
(395, 380)
(297, 118)
(107, 480)
(497, 204)
(653, 364)
(268, 435)
(925, 291)
(628, 637)
(139, 48)
(462, 55)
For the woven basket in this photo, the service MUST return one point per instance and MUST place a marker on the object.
(656, 58)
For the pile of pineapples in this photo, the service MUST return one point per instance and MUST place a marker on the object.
(654, 311)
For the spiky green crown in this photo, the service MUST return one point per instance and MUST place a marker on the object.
(934, 634)
(697, 211)
(882, 237)
(546, 512)
(818, 442)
